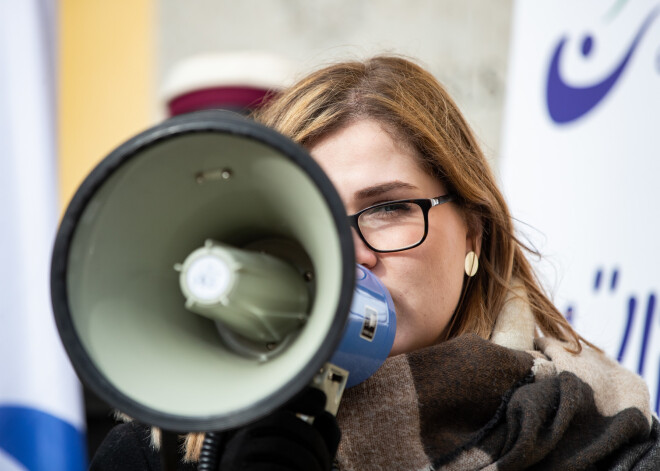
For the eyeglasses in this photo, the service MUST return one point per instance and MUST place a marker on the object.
(395, 226)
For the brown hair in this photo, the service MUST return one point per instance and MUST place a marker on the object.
(413, 105)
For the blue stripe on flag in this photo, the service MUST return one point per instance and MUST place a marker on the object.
(40, 441)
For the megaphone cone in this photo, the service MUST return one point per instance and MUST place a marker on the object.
(144, 209)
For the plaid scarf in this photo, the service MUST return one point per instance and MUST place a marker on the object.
(469, 403)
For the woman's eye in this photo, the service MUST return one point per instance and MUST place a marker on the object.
(392, 209)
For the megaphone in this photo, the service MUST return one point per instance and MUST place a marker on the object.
(203, 274)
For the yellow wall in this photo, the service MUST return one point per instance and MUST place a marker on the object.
(106, 70)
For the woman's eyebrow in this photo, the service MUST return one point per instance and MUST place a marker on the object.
(382, 188)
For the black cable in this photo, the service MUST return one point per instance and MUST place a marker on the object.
(208, 457)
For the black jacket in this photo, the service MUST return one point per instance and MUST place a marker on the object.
(128, 448)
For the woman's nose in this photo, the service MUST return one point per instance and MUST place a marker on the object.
(363, 254)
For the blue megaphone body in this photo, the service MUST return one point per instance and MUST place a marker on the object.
(370, 329)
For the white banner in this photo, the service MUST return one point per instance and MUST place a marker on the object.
(581, 164)
(41, 415)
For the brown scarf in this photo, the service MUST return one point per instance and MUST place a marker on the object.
(470, 403)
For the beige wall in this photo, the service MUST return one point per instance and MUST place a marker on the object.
(115, 56)
(105, 83)
(463, 42)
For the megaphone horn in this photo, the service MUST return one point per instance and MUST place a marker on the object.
(144, 209)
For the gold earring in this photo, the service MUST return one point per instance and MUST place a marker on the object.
(471, 263)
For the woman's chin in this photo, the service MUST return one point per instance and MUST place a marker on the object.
(401, 345)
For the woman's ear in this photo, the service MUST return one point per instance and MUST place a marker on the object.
(474, 234)
(474, 244)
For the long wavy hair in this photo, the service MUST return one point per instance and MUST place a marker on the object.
(412, 105)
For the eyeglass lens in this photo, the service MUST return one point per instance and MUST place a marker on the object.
(392, 226)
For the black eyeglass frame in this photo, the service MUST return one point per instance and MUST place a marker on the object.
(425, 203)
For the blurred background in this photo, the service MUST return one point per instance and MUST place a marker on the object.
(564, 97)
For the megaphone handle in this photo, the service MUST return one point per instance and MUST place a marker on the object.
(281, 437)
(331, 379)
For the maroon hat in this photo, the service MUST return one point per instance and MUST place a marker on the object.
(240, 81)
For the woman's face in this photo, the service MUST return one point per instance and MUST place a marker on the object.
(368, 167)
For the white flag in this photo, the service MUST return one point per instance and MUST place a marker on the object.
(41, 415)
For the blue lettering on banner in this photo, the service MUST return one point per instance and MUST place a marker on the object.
(567, 103)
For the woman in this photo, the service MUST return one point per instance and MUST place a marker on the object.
(386, 130)
(484, 370)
